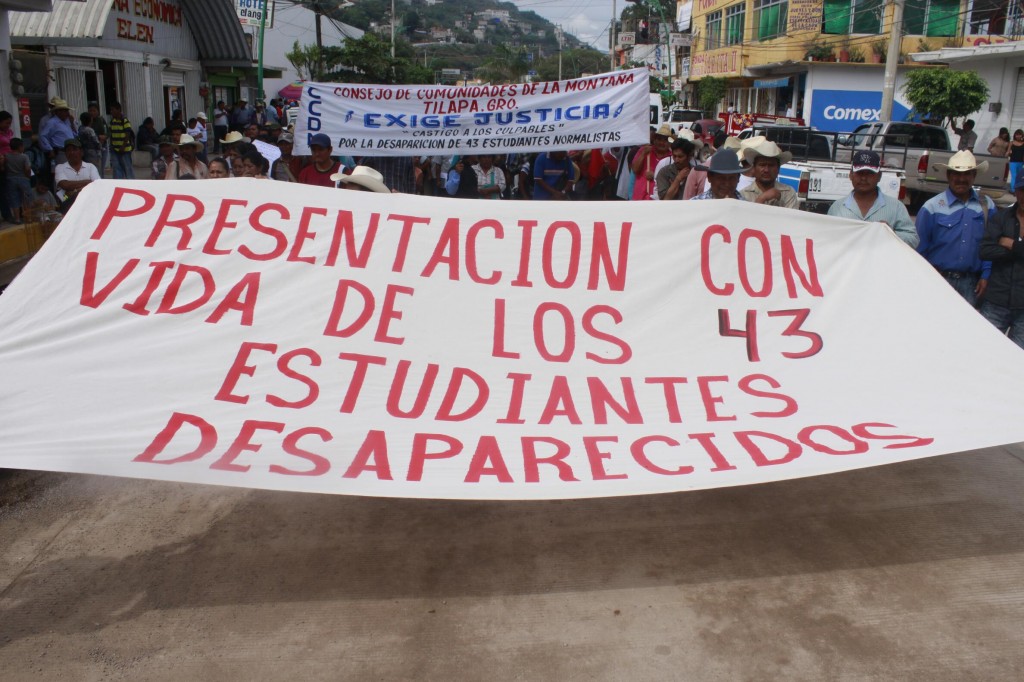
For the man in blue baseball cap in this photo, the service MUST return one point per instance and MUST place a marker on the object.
(321, 169)
(867, 202)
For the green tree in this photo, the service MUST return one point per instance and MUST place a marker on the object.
(710, 91)
(305, 60)
(368, 60)
(943, 93)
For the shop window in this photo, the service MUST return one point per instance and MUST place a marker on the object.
(931, 17)
(713, 30)
(770, 18)
(734, 20)
(843, 17)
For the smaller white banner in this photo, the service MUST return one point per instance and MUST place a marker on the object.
(604, 110)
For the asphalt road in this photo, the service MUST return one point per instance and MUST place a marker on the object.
(911, 571)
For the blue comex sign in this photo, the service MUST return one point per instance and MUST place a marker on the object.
(844, 110)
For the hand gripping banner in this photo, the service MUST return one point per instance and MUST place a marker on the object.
(606, 110)
(271, 335)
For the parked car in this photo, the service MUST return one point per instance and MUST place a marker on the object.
(706, 128)
(803, 142)
(681, 115)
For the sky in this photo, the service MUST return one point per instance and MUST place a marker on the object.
(588, 20)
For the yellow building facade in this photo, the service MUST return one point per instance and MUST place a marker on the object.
(755, 43)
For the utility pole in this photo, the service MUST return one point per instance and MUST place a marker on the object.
(392, 29)
(558, 32)
(891, 60)
(319, 43)
(263, 35)
(611, 39)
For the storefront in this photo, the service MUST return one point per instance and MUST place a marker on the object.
(154, 56)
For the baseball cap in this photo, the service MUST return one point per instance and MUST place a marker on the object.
(866, 160)
(286, 138)
(72, 142)
(320, 140)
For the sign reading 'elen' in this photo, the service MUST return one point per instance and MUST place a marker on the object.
(272, 335)
(844, 110)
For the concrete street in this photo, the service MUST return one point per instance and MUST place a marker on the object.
(906, 572)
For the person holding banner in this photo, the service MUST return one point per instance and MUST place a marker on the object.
(462, 179)
(552, 176)
(766, 159)
(723, 171)
(319, 172)
(866, 202)
(646, 160)
(490, 180)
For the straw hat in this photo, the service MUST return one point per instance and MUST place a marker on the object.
(364, 176)
(687, 134)
(188, 140)
(57, 103)
(768, 149)
(732, 142)
(665, 131)
(962, 162)
(232, 137)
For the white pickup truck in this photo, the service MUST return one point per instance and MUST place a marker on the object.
(817, 178)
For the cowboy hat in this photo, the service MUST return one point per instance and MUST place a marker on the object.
(232, 137)
(364, 176)
(665, 131)
(725, 162)
(187, 140)
(687, 134)
(57, 103)
(202, 115)
(732, 142)
(765, 148)
(962, 162)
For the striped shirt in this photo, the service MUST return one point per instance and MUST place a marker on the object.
(121, 135)
(884, 210)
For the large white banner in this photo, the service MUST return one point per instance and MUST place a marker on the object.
(606, 110)
(272, 335)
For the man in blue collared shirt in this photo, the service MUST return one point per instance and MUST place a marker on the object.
(57, 130)
(951, 226)
(867, 202)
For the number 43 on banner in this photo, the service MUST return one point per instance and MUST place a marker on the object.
(795, 329)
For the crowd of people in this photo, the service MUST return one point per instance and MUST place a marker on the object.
(977, 249)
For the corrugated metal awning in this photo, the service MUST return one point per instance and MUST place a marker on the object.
(218, 32)
(213, 23)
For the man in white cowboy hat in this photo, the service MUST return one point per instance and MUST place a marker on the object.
(867, 202)
(724, 170)
(362, 178)
(187, 165)
(951, 225)
(766, 159)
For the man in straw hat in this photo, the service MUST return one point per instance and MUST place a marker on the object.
(867, 202)
(646, 161)
(723, 170)
(362, 178)
(57, 130)
(951, 225)
(1003, 245)
(187, 165)
(766, 159)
